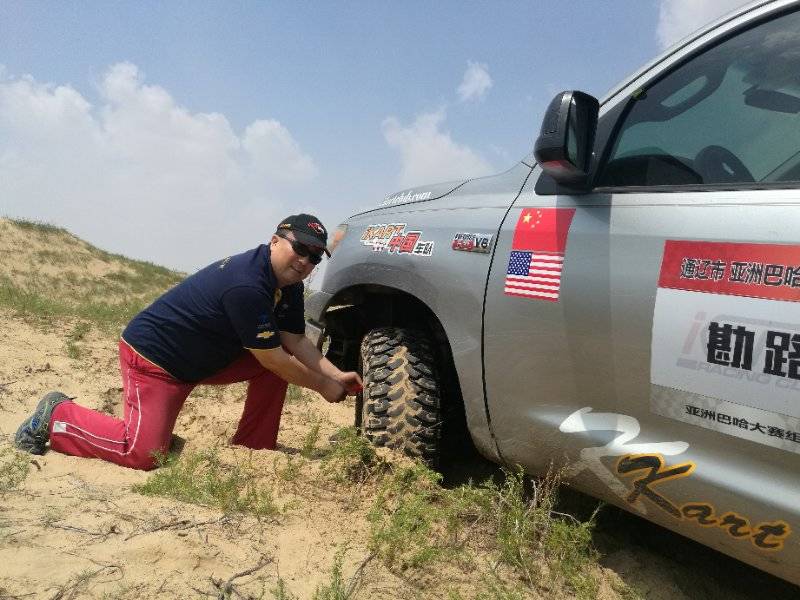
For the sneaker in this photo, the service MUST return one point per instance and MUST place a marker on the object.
(34, 433)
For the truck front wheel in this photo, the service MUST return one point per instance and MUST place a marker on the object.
(401, 404)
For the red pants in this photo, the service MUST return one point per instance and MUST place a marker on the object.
(153, 399)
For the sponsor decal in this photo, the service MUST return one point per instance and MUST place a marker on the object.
(584, 420)
(770, 271)
(647, 469)
(537, 253)
(394, 239)
(265, 335)
(408, 196)
(768, 535)
(473, 242)
(726, 340)
(655, 472)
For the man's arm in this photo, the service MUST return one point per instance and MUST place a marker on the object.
(294, 371)
(306, 352)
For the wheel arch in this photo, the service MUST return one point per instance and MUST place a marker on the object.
(356, 310)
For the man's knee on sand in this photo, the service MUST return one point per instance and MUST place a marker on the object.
(145, 458)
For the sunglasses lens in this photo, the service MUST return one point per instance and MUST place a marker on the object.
(303, 251)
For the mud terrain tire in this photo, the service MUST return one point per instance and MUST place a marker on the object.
(401, 405)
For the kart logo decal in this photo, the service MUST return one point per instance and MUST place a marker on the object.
(473, 242)
(726, 340)
(394, 239)
(584, 420)
(537, 253)
(645, 464)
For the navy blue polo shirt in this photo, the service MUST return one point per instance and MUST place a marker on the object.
(205, 322)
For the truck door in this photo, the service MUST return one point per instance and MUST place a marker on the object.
(651, 328)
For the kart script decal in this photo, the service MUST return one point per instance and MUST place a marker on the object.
(644, 463)
(537, 253)
(584, 420)
(726, 340)
(394, 239)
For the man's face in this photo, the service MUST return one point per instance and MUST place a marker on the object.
(288, 266)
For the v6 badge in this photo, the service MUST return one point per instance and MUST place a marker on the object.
(473, 242)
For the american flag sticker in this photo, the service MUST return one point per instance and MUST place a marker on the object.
(537, 253)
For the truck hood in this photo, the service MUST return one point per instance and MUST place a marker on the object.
(420, 193)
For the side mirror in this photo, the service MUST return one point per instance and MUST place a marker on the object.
(564, 146)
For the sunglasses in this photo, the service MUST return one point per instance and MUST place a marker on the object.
(302, 250)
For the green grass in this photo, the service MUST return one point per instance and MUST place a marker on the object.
(107, 302)
(408, 519)
(417, 524)
(53, 257)
(39, 303)
(351, 458)
(202, 478)
(309, 448)
(281, 592)
(295, 395)
(39, 227)
(290, 470)
(335, 588)
(75, 336)
(13, 469)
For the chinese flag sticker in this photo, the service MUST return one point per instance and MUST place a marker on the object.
(537, 253)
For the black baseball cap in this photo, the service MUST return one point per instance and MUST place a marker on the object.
(307, 230)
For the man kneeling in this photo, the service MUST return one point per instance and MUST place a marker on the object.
(229, 322)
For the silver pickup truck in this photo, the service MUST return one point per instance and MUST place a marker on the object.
(625, 301)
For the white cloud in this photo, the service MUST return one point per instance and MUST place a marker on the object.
(679, 18)
(142, 175)
(429, 155)
(476, 82)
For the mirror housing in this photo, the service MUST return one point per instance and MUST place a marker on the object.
(564, 146)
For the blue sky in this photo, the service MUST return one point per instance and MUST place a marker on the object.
(181, 132)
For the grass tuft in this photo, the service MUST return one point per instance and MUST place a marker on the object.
(201, 478)
(291, 469)
(309, 448)
(296, 395)
(77, 335)
(281, 592)
(335, 588)
(408, 519)
(13, 469)
(351, 458)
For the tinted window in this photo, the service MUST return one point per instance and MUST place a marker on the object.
(729, 115)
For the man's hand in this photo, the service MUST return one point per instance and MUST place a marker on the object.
(351, 382)
(333, 391)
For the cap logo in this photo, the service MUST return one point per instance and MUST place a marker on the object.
(316, 227)
(285, 226)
